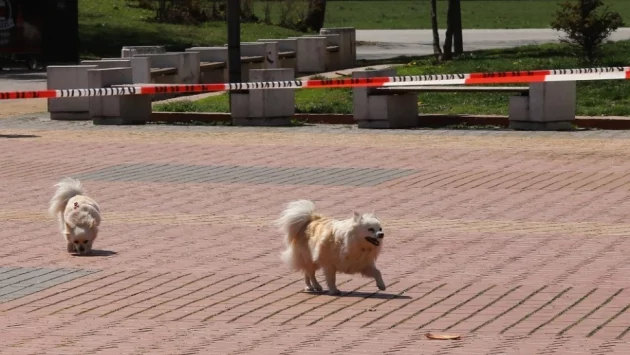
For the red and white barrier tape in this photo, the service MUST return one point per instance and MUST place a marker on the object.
(533, 76)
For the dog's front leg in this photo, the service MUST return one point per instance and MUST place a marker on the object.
(70, 247)
(331, 281)
(372, 271)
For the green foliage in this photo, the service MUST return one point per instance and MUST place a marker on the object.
(585, 27)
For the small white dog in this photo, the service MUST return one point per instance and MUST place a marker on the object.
(347, 246)
(79, 215)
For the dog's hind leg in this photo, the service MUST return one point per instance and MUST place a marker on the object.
(331, 281)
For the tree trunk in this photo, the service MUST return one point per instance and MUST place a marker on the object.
(315, 15)
(437, 51)
(448, 41)
(457, 30)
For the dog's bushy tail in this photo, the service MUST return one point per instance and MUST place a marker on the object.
(66, 189)
(293, 220)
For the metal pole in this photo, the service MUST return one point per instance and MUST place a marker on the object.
(234, 42)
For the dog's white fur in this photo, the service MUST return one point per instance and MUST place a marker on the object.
(79, 216)
(348, 246)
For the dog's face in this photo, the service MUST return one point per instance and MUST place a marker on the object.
(368, 227)
(81, 238)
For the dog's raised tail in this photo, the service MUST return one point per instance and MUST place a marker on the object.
(294, 219)
(66, 189)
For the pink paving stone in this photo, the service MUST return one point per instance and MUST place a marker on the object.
(197, 229)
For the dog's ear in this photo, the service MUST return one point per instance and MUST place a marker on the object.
(357, 216)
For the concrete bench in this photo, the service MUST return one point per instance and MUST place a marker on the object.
(261, 107)
(213, 61)
(140, 66)
(539, 106)
(287, 52)
(347, 45)
(174, 67)
(116, 110)
(68, 77)
(131, 51)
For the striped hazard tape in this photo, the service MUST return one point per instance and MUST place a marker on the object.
(532, 76)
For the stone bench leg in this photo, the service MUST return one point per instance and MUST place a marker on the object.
(311, 54)
(212, 55)
(117, 110)
(264, 107)
(68, 77)
(347, 45)
(383, 111)
(549, 106)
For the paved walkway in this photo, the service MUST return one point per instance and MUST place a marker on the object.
(518, 241)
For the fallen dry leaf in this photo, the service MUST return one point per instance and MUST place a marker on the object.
(443, 336)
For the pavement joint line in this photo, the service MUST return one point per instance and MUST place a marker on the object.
(56, 277)
(299, 302)
(536, 310)
(257, 298)
(482, 308)
(86, 292)
(606, 301)
(519, 303)
(197, 290)
(402, 306)
(579, 300)
(62, 291)
(456, 307)
(369, 296)
(430, 306)
(325, 303)
(157, 295)
(599, 327)
(136, 293)
(231, 297)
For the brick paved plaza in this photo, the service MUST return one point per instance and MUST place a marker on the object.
(518, 241)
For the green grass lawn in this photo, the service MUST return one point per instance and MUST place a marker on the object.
(593, 98)
(415, 14)
(105, 26)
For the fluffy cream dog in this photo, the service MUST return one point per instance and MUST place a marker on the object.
(79, 216)
(347, 246)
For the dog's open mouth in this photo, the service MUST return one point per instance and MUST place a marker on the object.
(373, 241)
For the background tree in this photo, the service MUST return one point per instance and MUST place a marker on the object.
(453, 30)
(315, 14)
(437, 51)
(584, 27)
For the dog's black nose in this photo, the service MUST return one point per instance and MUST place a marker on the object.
(380, 234)
(81, 249)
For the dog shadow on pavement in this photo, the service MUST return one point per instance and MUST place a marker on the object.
(380, 295)
(97, 253)
(18, 136)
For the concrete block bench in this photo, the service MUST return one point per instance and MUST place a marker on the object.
(394, 110)
(131, 51)
(347, 45)
(213, 64)
(68, 77)
(264, 107)
(287, 52)
(174, 67)
(549, 106)
(117, 110)
(140, 66)
(539, 106)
